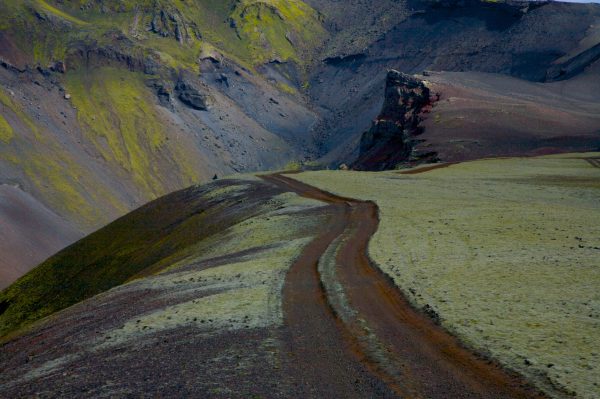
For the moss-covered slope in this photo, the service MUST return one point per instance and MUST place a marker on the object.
(103, 108)
(205, 313)
(250, 31)
(158, 235)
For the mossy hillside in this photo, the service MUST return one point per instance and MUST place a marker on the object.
(43, 41)
(59, 13)
(123, 125)
(10, 105)
(250, 31)
(278, 29)
(234, 283)
(505, 251)
(270, 226)
(159, 231)
(242, 290)
(243, 293)
(6, 131)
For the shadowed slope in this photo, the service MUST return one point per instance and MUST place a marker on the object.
(205, 322)
(28, 231)
(152, 237)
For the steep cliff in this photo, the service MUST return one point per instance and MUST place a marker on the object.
(459, 116)
(391, 139)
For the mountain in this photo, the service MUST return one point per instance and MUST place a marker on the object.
(529, 41)
(106, 105)
(143, 254)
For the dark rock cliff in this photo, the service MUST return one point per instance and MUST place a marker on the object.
(391, 139)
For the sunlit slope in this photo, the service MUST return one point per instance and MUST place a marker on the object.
(504, 252)
(250, 31)
(103, 108)
(90, 159)
(112, 59)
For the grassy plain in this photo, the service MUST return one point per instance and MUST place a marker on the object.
(505, 251)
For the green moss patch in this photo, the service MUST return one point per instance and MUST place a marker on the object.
(6, 131)
(59, 13)
(251, 31)
(505, 251)
(121, 122)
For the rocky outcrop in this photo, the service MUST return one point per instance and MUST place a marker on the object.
(391, 139)
(122, 53)
(163, 90)
(168, 22)
(341, 60)
(190, 95)
(574, 65)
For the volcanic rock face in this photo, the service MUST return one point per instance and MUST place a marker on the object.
(391, 138)
(190, 95)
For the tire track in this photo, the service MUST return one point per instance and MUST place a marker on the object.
(595, 162)
(375, 344)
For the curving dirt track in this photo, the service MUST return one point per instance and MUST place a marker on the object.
(351, 333)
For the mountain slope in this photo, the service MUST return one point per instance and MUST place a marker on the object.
(529, 41)
(103, 108)
(202, 306)
(29, 232)
(158, 235)
(458, 116)
(106, 104)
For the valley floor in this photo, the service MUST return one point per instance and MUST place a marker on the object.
(291, 291)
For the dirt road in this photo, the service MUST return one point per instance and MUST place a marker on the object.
(351, 333)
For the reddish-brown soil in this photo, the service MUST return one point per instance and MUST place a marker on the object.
(488, 115)
(384, 347)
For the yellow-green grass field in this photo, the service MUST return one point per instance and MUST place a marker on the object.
(506, 251)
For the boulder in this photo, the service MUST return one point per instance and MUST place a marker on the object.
(190, 95)
(163, 90)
